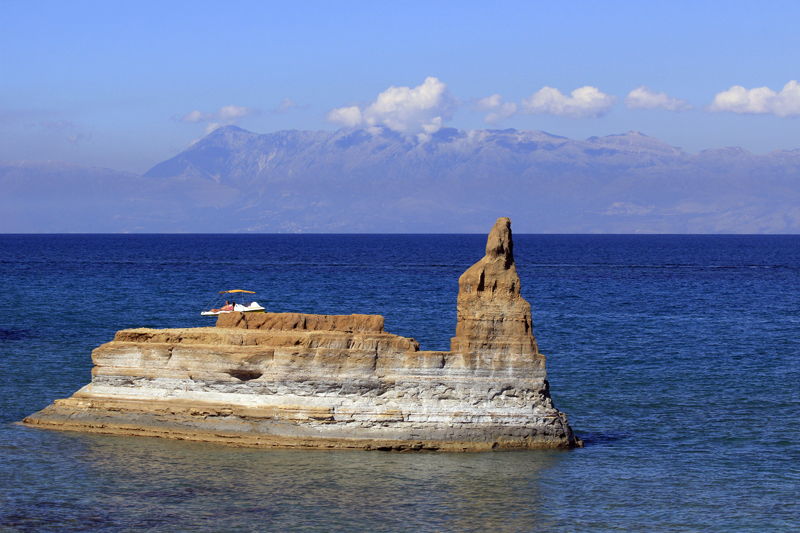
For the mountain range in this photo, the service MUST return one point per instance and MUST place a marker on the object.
(357, 181)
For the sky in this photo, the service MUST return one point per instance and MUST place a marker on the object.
(126, 85)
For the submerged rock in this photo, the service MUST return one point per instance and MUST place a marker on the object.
(302, 380)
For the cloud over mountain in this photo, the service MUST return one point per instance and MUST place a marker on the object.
(584, 102)
(761, 100)
(76, 138)
(496, 108)
(419, 112)
(286, 105)
(57, 125)
(224, 116)
(644, 97)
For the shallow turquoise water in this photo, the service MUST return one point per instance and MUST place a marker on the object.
(676, 358)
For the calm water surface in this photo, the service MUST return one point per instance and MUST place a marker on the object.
(676, 358)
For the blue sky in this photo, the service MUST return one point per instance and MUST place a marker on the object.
(127, 85)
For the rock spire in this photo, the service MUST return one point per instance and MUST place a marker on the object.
(494, 321)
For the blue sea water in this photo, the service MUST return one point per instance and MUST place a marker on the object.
(676, 358)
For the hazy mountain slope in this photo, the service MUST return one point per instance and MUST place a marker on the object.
(459, 181)
(355, 181)
(56, 197)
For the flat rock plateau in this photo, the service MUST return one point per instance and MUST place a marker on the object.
(316, 381)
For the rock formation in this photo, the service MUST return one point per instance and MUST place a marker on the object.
(300, 380)
(494, 321)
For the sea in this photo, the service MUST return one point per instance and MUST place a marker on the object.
(675, 357)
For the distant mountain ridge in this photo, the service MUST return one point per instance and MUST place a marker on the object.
(242, 158)
(357, 181)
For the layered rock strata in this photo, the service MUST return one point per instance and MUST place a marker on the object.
(300, 380)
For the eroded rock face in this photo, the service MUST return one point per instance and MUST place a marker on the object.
(299, 380)
(302, 322)
(494, 321)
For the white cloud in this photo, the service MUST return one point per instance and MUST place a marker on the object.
(76, 138)
(760, 100)
(584, 102)
(419, 112)
(644, 97)
(65, 126)
(349, 117)
(224, 116)
(57, 125)
(286, 105)
(495, 106)
(212, 126)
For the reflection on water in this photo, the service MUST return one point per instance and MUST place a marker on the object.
(128, 482)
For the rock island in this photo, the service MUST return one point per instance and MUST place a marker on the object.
(318, 381)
